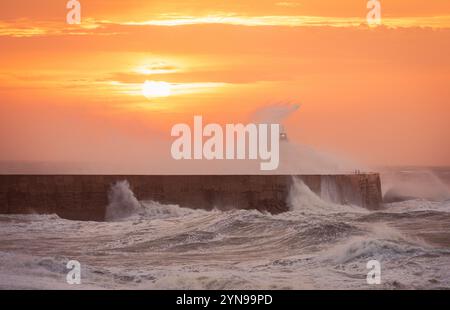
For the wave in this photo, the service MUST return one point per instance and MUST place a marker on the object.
(303, 199)
(365, 249)
(147, 244)
(122, 202)
(416, 205)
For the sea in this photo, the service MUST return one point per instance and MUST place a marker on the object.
(316, 245)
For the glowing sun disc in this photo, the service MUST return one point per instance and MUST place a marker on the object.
(152, 89)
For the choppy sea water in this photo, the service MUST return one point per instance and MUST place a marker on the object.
(317, 245)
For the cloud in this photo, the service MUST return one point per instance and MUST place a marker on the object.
(20, 28)
(291, 21)
(230, 76)
(288, 4)
(23, 28)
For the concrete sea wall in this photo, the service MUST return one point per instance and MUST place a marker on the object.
(85, 197)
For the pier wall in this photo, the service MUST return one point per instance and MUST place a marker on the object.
(85, 197)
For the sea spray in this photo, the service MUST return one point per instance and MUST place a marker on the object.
(303, 199)
(299, 158)
(182, 248)
(275, 113)
(122, 202)
(414, 183)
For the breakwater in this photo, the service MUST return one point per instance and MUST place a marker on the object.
(85, 197)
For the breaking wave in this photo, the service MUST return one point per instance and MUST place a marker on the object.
(122, 202)
(317, 244)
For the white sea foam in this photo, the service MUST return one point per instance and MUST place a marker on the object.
(317, 244)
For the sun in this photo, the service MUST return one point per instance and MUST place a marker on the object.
(153, 89)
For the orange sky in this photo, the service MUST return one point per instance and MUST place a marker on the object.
(74, 93)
